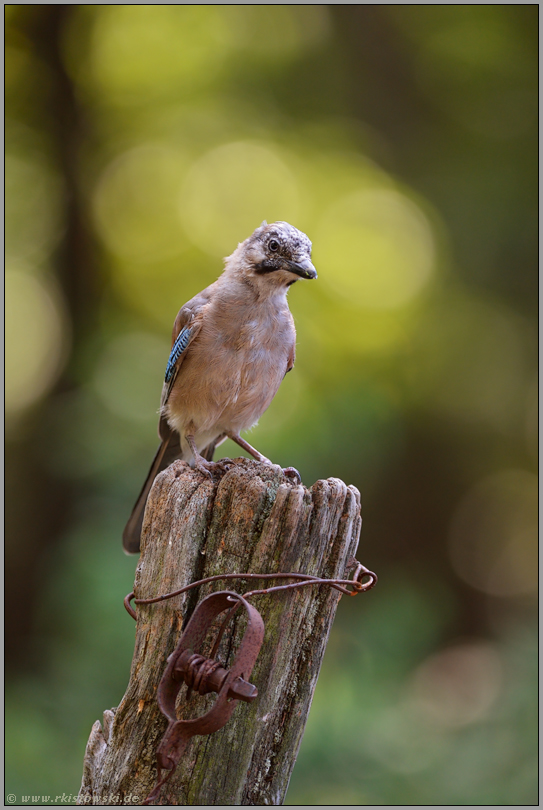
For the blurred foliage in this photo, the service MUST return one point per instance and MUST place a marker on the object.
(142, 143)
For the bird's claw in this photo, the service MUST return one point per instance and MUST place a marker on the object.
(202, 468)
(207, 468)
(224, 464)
(291, 472)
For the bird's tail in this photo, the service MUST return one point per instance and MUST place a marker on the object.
(167, 453)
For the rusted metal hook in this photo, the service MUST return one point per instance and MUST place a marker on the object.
(186, 666)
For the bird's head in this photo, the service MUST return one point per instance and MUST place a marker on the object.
(274, 256)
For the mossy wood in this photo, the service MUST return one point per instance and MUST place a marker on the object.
(254, 519)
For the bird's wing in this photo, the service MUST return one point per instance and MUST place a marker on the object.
(186, 327)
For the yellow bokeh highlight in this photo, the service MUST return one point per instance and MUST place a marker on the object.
(156, 290)
(129, 375)
(231, 190)
(135, 203)
(271, 31)
(143, 53)
(152, 51)
(36, 337)
(341, 331)
(33, 206)
(376, 249)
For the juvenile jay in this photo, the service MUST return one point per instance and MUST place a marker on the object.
(232, 344)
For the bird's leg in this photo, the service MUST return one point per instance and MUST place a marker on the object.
(289, 471)
(202, 464)
(199, 461)
(246, 446)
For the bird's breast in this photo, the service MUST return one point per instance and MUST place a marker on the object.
(232, 371)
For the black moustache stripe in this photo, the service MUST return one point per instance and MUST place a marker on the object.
(265, 267)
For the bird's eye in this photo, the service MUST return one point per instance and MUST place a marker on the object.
(273, 245)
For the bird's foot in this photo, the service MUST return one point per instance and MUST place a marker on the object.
(224, 464)
(207, 468)
(291, 472)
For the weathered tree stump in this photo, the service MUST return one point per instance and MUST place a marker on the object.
(253, 520)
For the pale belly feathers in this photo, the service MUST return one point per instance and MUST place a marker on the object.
(230, 377)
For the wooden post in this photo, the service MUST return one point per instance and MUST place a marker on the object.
(253, 520)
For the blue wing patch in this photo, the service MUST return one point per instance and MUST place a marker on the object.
(181, 342)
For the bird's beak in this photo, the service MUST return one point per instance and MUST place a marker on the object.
(304, 269)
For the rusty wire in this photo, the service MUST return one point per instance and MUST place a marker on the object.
(341, 585)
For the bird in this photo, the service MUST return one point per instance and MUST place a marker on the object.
(232, 345)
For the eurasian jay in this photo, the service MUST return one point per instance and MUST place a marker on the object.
(232, 344)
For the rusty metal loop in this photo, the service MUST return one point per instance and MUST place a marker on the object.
(194, 669)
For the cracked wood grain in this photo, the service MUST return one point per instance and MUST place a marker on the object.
(254, 519)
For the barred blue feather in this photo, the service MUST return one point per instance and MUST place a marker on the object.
(181, 342)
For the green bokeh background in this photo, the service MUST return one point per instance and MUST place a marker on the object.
(143, 142)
